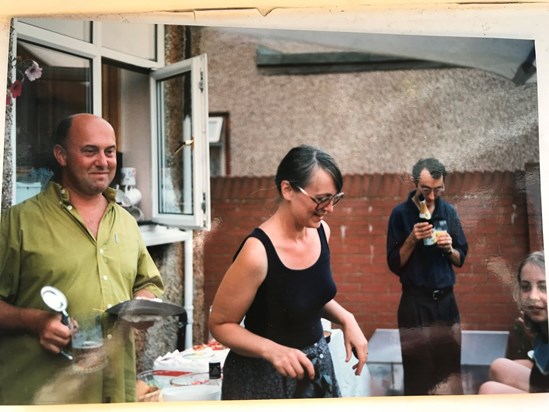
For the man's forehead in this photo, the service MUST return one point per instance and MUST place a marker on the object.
(87, 127)
(96, 142)
(426, 176)
(99, 145)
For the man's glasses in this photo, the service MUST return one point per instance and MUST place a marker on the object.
(324, 201)
(427, 190)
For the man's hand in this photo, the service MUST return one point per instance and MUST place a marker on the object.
(53, 334)
(143, 294)
(422, 230)
(444, 241)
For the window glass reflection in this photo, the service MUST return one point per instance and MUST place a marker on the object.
(62, 89)
(175, 147)
(77, 29)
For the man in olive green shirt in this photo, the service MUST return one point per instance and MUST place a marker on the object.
(73, 236)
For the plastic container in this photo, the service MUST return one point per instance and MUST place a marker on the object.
(191, 393)
(190, 379)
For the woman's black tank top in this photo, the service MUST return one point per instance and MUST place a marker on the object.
(288, 304)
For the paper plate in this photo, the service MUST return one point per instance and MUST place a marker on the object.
(198, 354)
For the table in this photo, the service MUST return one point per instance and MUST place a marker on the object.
(350, 384)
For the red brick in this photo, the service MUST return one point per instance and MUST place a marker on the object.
(494, 213)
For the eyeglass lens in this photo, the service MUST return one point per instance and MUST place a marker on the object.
(326, 201)
(427, 190)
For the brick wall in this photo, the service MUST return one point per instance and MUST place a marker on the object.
(494, 213)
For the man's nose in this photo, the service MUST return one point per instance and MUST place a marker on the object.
(102, 159)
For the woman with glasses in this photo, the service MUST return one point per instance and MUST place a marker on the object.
(428, 316)
(269, 305)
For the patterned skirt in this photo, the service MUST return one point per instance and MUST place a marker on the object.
(255, 378)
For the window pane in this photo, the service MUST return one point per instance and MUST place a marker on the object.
(143, 38)
(63, 89)
(175, 151)
(77, 29)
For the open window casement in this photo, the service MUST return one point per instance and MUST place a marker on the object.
(137, 93)
(180, 150)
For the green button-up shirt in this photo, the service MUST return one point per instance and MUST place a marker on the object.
(44, 241)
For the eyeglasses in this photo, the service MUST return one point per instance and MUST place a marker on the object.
(324, 201)
(427, 190)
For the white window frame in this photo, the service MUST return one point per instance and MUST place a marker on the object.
(91, 50)
(200, 219)
(198, 149)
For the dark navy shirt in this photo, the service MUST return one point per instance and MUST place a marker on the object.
(288, 304)
(428, 266)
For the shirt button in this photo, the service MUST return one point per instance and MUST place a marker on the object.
(101, 251)
(321, 356)
(109, 336)
(105, 277)
(69, 207)
(109, 306)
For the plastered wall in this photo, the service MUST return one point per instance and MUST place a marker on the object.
(371, 122)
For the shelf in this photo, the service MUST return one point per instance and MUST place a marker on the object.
(159, 235)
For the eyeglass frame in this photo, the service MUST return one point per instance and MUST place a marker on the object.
(427, 190)
(326, 199)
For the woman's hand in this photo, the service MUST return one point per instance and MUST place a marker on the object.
(355, 343)
(290, 362)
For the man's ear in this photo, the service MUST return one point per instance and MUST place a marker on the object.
(60, 154)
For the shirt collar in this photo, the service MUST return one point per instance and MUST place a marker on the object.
(64, 195)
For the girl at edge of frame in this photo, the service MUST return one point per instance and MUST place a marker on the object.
(526, 375)
(280, 285)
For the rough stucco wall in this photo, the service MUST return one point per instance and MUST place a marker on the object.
(378, 122)
(7, 172)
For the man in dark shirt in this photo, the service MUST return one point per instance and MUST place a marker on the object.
(428, 316)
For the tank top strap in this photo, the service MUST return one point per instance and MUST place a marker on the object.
(268, 244)
(323, 238)
(262, 237)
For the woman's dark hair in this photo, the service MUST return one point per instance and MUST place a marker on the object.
(435, 168)
(300, 162)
